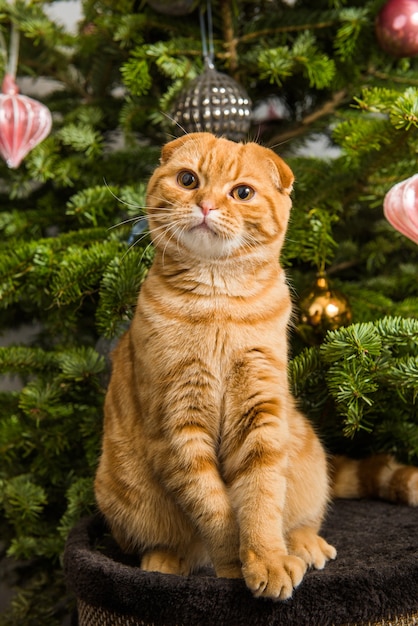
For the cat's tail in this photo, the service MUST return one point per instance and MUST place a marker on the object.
(379, 476)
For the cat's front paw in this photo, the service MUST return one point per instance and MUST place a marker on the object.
(274, 577)
(313, 549)
(165, 562)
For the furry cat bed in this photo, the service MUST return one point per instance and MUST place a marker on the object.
(374, 580)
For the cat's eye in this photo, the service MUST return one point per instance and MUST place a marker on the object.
(187, 179)
(242, 192)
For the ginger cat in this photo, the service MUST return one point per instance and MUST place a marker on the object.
(205, 457)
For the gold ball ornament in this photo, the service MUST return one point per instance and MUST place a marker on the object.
(323, 308)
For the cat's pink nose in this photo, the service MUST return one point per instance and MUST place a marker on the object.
(206, 206)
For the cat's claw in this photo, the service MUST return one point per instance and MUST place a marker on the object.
(273, 578)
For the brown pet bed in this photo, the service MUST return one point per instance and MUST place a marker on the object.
(374, 580)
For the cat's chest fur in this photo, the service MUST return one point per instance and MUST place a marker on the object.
(210, 315)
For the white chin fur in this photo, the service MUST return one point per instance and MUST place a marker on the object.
(208, 245)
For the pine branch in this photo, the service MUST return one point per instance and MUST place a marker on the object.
(393, 78)
(230, 41)
(371, 374)
(116, 305)
(324, 110)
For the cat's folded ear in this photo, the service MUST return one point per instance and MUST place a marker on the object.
(282, 175)
(169, 148)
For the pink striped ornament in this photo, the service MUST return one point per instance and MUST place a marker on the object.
(24, 123)
(400, 207)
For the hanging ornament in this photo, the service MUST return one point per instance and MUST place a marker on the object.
(400, 207)
(216, 103)
(213, 102)
(24, 122)
(397, 28)
(173, 7)
(323, 308)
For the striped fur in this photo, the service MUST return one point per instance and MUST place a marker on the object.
(205, 457)
(378, 476)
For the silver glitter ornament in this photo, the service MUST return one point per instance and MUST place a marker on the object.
(214, 102)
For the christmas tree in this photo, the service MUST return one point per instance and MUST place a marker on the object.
(336, 98)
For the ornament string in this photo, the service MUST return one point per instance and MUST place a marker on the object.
(3, 49)
(14, 51)
(207, 34)
(11, 59)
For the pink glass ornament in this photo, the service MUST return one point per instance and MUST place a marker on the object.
(397, 28)
(400, 207)
(24, 123)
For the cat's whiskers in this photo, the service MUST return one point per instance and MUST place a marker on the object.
(158, 215)
(178, 238)
(155, 239)
(145, 250)
(160, 199)
(159, 232)
(173, 234)
(173, 121)
(140, 238)
(279, 144)
(178, 227)
(133, 244)
(125, 202)
(134, 220)
(249, 242)
(138, 218)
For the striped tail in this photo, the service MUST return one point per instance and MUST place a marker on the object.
(379, 476)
